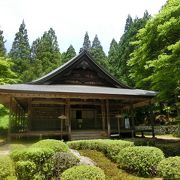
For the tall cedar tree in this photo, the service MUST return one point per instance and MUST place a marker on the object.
(20, 51)
(97, 52)
(155, 61)
(69, 54)
(2, 46)
(45, 55)
(86, 43)
(125, 48)
(113, 57)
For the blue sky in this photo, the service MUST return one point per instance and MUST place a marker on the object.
(72, 18)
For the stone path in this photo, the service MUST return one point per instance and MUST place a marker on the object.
(83, 160)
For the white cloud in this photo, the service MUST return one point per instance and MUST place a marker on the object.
(72, 18)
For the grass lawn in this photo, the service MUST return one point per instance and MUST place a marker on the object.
(111, 170)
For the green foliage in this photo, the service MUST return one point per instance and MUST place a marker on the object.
(37, 155)
(110, 147)
(25, 170)
(20, 51)
(4, 122)
(169, 168)
(83, 172)
(7, 75)
(62, 161)
(154, 62)
(6, 167)
(2, 46)
(55, 145)
(141, 160)
(69, 54)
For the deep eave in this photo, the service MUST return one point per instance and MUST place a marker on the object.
(75, 89)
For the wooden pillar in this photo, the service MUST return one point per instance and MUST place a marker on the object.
(152, 118)
(29, 114)
(103, 114)
(108, 119)
(119, 132)
(10, 120)
(132, 118)
(67, 114)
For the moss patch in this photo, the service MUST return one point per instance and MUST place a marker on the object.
(112, 172)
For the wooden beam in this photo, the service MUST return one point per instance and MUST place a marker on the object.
(67, 114)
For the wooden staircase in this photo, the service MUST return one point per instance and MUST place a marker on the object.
(87, 134)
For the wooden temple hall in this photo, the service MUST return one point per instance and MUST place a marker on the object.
(78, 100)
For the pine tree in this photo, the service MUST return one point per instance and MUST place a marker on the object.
(2, 46)
(20, 51)
(69, 54)
(97, 52)
(86, 43)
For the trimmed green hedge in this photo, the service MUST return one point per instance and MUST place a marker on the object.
(6, 167)
(25, 170)
(110, 147)
(83, 172)
(142, 160)
(169, 168)
(37, 155)
(55, 145)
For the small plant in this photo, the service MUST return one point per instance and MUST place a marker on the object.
(141, 160)
(6, 167)
(25, 170)
(55, 145)
(169, 168)
(62, 161)
(83, 172)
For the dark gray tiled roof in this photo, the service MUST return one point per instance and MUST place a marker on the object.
(75, 89)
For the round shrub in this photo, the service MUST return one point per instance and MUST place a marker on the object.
(37, 155)
(83, 172)
(169, 168)
(110, 147)
(62, 161)
(55, 145)
(142, 160)
(25, 169)
(6, 167)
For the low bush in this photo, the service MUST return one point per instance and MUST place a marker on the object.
(169, 168)
(25, 170)
(55, 145)
(37, 155)
(62, 161)
(169, 149)
(16, 146)
(141, 160)
(6, 167)
(83, 172)
(110, 147)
